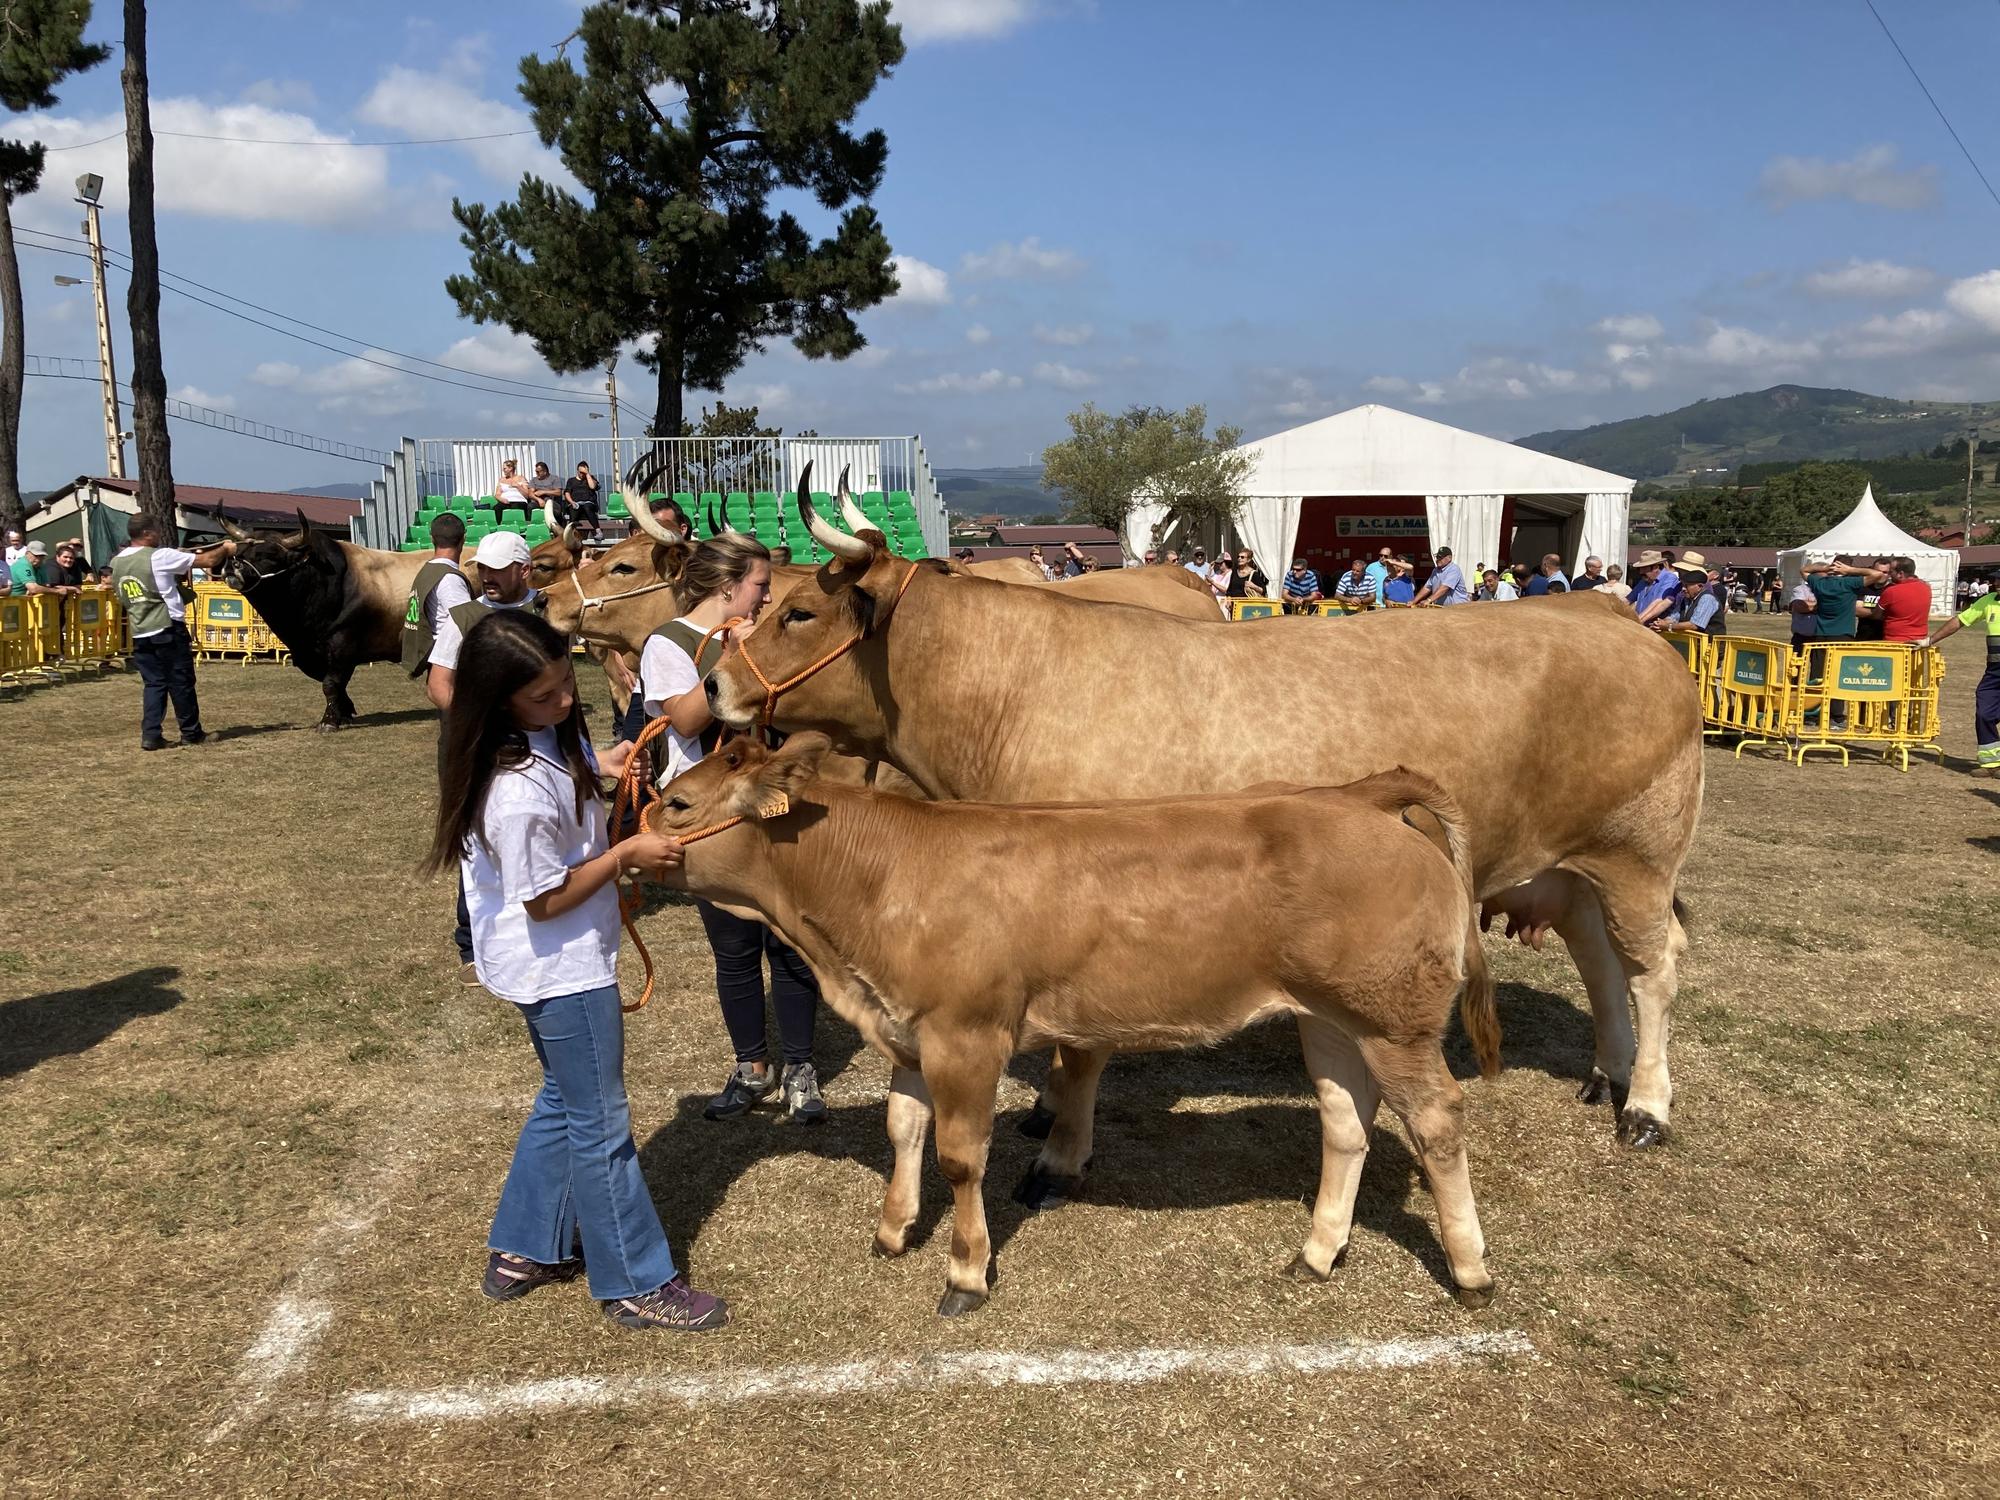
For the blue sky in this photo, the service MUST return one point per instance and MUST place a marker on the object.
(1505, 217)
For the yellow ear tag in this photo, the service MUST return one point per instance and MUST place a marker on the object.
(776, 806)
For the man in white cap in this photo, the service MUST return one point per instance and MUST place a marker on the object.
(500, 566)
(29, 573)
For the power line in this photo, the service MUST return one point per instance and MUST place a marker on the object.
(251, 140)
(1933, 99)
(208, 416)
(116, 258)
(484, 390)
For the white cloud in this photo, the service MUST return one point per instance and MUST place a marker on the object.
(1728, 347)
(923, 284)
(1918, 330)
(955, 384)
(958, 20)
(978, 333)
(427, 106)
(1868, 278)
(1978, 298)
(1495, 379)
(276, 372)
(1870, 177)
(1631, 327)
(1065, 377)
(355, 385)
(194, 395)
(281, 93)
(327, 184)
(1030, 259)
(1068, 336)
(522, 421)
(496, 351)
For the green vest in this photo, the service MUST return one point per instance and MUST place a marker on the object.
(132, 576)
(475, 609)
(688, 640)
(418, 637)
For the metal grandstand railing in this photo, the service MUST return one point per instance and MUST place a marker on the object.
(422, 467)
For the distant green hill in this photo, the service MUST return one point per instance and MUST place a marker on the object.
(1015, 491)
(1705, 443)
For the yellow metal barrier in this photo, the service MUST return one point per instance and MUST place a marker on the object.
(1751, 692)
(95, 626)
(225, 627)
(17, 645)
(1697, 649)
(1884, 694)
(1252, 609)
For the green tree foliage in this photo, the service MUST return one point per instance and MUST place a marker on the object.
(1790, 508)
(682, 122)
(41, 44)
(1110, 462)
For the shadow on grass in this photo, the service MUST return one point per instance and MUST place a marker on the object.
(1149, 1159)
(1990, 843)
(248, 731)
(39, 1027)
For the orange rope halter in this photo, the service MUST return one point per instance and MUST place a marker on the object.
(773, 690)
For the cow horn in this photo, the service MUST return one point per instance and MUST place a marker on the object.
(851, 515)
(839, 543)
(230, 529)
(297, 539)
(549, 518)
(638, 497)
(725, 529)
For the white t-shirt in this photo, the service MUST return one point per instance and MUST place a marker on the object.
(14, 552)
(1504, 589)
(666, 671)
(1619, 587)
(448, 638)
(452, 590)
(528, 838)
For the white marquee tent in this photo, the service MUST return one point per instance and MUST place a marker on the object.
(1867, 534)
(1464, 478)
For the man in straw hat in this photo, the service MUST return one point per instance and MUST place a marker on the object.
(1654, 588)
(1696, 606)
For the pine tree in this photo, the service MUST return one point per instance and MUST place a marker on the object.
(41, 44)
(683, 121)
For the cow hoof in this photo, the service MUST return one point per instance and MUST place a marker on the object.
(1038, 1122)
(1637, 1128)
(1473, 1297)
(1596, 1089)
(325, 726)
(1301, 1270)
(956, 1303)
(1042, 1190)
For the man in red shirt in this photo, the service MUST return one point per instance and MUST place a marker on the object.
(1904, 605)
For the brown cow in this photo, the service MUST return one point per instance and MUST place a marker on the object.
(1170, 923)
(1582, 765)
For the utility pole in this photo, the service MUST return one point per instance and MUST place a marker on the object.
(90, 186)
(611, 387)
(1971, 443)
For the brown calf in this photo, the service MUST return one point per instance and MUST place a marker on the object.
(1170, 923)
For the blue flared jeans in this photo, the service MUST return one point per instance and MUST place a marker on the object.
(576, 1167)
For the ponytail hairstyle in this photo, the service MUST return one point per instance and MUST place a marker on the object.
(718, 563)
(502, 654)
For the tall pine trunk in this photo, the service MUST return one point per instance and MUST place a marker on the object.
(142, 302)
(13, 359)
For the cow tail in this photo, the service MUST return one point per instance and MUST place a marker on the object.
(1400, 790)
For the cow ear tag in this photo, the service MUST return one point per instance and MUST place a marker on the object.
(774, 806)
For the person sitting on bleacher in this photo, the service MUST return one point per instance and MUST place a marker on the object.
(577, 504)
(511, 489)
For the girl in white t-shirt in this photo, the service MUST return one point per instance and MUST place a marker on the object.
(521, 811)
(729, 577)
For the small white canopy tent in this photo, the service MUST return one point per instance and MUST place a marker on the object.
(1465, 480)
(1867, 534)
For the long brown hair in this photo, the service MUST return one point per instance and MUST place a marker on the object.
(715, 565)
(502, 654)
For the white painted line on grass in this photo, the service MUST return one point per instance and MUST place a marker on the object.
(878, 1377)
(284, 1346)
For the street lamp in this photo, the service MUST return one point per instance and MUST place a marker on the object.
(69, 281)
(89, 187)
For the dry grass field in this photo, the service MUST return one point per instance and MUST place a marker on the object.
(253, 1131)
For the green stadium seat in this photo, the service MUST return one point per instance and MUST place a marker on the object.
(618, 510)
(536, 534)
(765, 500)
(463, 504)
